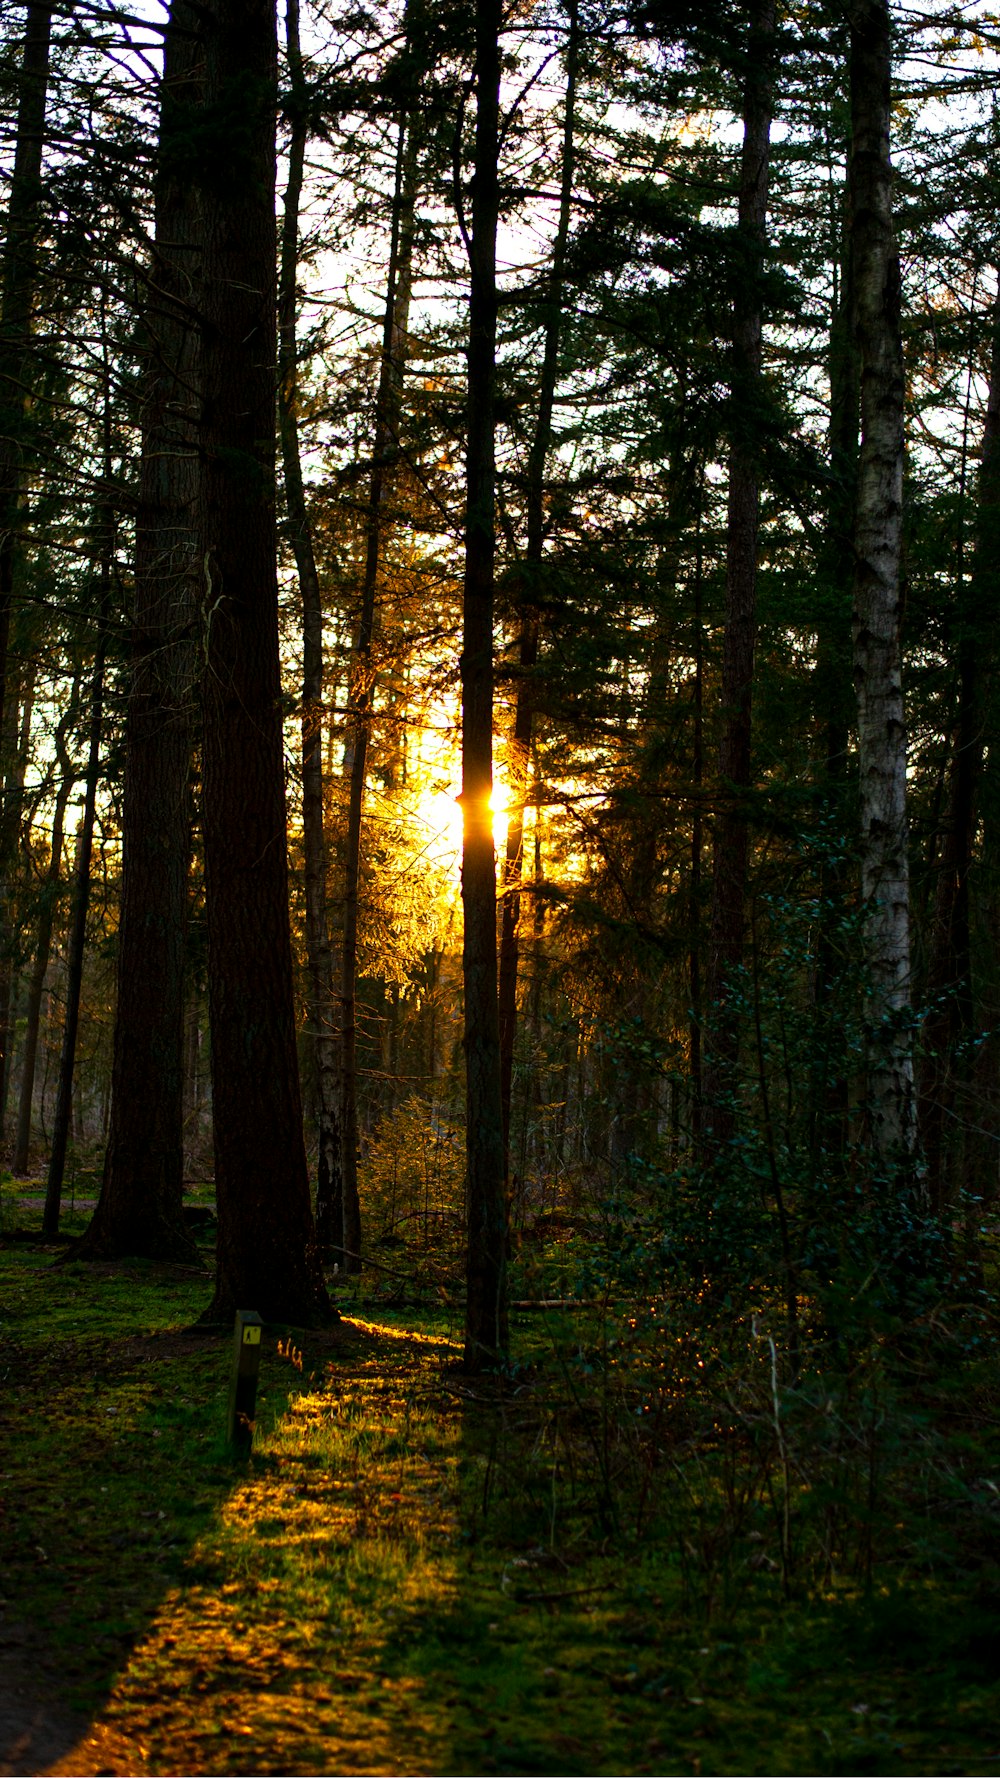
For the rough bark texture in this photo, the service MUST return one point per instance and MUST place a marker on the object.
(329, 1176)
(876, 622)
(730, 847)
(486, 1306)
(18, 277)
(266, 1257)
(527, 644)
(140, 1206)
(388, 405)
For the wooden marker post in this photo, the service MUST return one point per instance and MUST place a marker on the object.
(243, 1380)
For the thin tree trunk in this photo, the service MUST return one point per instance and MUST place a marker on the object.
(527, 645)
(877, 671)
(43, 942)
(951, 1016)
(329, 1176)
(18, 283)
(266, 1255)
(697, 831)
(78, 929)
(384, 452)
(486, 1330)
(140, 1207)
(730, 848)
(829, 1088)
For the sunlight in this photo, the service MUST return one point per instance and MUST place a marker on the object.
(440, 813)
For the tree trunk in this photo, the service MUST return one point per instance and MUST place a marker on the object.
(266, 1256)
(730, 847)
(43, 943)
(947, 1071)
(140, 1206)
(833, 693)
(527, 645)
(78, 928)
(486, 1331)
(877, 675)
(384, 452)
(18, 281)
(329, 1176)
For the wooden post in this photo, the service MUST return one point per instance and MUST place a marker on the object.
(243, 1378)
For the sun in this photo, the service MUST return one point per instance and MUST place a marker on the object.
(438, 812)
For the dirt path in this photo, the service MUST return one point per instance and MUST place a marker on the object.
(38, 1735)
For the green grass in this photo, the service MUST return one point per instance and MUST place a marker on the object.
(407, 1576)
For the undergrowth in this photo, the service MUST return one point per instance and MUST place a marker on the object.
(641, 1551)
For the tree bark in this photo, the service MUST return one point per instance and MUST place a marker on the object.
(140, 1206)
(730, 846)
(388, 407)
(18, 284)
(528, 636)
(876, 622)
(266, 1255)
(486, 1330)
(329, 1175)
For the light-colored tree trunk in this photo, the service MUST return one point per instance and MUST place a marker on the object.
(891, 1107)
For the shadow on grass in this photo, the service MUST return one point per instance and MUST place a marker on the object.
(113, 1463)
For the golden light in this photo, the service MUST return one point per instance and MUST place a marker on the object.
(439, 813)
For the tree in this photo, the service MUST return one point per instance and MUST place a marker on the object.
(140, 1206)
(730, 848)
(266, 1254)
(891, 1108)
(329, 1180)
(18, 267)
(486, 1331)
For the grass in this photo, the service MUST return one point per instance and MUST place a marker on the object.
(409, 1576)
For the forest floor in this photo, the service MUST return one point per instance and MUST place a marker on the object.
(389, 1584)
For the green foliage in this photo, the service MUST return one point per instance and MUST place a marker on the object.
(412, 1184)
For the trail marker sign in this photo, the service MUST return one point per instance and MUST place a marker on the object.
(243, 1379)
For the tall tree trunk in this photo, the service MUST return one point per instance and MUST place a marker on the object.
(18, 280)
(527, 645)
(834, 698)
(486, 1330)
(388, 406)
(266, 1255)
(62, 1118)
(43, 941)
(140, 1206)
(877, 672)
(730, 847)
(329, 1177)
(946, 1073)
